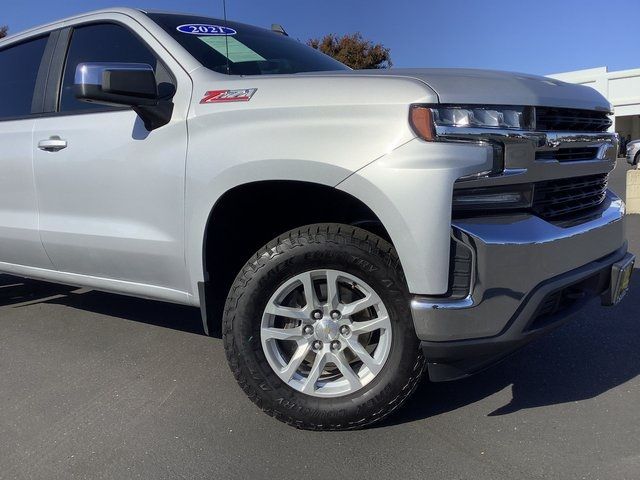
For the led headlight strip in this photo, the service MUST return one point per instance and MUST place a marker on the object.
(517, 118)
(424, 119)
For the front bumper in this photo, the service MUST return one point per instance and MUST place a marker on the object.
(521, 265)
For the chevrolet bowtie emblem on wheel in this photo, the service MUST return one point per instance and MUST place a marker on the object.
(219, 96)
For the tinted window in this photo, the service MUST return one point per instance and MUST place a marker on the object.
(19, 67)
(103, 43)
(250, 50)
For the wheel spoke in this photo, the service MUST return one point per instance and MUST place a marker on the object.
(273, 333)
(316, 370)
(332, 289)
(354, 307)
(370, 362)
(296, 359)
(309, 291)
(288, 312)
(359, 328)
(347, 372)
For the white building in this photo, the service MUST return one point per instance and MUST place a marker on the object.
(621, 88)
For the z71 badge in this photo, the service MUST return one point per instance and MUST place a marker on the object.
(219, 96)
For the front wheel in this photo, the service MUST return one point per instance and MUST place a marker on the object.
(318, 331)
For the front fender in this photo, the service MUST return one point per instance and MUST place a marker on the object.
(410, 190)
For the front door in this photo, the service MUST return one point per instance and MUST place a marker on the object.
(111, 193)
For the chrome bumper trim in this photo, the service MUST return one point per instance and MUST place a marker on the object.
(515, 160)
(423, 303)
(514, 254)
(538, 139)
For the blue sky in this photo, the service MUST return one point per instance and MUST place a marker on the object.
(534, 36)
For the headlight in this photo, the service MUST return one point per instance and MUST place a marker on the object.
(482, 117)
(423, 119)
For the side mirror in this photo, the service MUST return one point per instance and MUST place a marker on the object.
(124, 84)
(131, 84)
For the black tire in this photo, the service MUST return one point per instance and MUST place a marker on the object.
(636, 159)
(342, 247)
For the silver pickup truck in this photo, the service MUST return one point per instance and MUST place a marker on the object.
(345, 231)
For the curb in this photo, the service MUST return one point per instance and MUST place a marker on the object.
(633, 191)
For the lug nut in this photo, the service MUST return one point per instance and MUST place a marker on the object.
(317, 345)
(335, 345)
(344, 330)
(307, 330)
(335, 315)
(317, 314)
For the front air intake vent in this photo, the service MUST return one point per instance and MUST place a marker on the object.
(460, 269)
(569, 154)
(569, 197)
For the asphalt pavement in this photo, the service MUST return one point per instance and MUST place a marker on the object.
(94, 385)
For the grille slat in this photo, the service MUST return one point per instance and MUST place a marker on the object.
(559, 199)
(568, 154)
(571, 120)
(572, 183)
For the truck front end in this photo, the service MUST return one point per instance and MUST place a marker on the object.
(533, 239)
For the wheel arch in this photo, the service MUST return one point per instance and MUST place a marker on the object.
(240, 222)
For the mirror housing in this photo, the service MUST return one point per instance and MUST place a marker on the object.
(124, 84)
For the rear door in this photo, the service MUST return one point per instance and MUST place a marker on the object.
(111, 196)
(22, 77)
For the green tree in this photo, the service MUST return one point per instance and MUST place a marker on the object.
(3, 31)
(353, 50)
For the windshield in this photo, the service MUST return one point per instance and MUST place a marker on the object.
(239, 49)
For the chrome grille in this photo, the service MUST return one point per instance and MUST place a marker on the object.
(569, 197)
(549, 119)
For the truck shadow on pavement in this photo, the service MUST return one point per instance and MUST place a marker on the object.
(595, 352)
(599, 349)
(17, 292)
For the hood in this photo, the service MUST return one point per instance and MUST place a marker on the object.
(470, 86)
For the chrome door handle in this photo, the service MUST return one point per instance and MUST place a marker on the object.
(53, 144)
